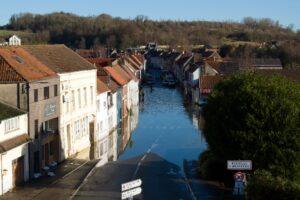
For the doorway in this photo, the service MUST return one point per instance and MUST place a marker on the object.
(18, 171)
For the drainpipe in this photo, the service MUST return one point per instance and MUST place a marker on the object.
(28, 126)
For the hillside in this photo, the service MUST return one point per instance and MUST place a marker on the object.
(78, 31)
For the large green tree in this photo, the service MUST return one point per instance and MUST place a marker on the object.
(249, 116)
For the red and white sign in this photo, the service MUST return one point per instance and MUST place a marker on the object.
(239, 165)
(239, 176)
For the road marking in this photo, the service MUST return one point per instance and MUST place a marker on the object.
(189, 187)
(74, 170)
(59, 179)
(83, 182)
(143, 158)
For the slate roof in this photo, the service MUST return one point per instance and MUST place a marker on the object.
(59, 58)
(14, 142)
(193, 68)
(7, 112)
(22, 66)
(181, 61)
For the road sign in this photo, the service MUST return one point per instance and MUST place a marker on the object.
(239, 176)
(131, 193)
(131, 184)
(239, 165)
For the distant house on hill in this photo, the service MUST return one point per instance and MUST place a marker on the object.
(12, 41)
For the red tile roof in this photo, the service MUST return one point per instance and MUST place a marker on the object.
(132, 62)
(122, 72)
(129, 72)
(101, 86)
(24, 64)
(135, 57)
(59, 58)
(121, 80)
(110, 83)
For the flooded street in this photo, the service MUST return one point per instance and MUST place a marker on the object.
(152, 144)
(165, 128)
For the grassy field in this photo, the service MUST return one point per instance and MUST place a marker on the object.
(27, 37)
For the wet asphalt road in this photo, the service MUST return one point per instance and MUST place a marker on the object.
(161, 179)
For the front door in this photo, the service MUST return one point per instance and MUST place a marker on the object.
(18, 171)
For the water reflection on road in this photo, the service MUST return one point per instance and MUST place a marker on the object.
(165, 128)
(158, 136)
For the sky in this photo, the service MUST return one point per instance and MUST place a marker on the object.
(287, 12)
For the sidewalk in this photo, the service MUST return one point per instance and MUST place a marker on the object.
(68, 176)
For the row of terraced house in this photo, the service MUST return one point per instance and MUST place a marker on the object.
(55, 102)
(198, 71)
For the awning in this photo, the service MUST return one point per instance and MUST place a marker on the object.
(14, 142)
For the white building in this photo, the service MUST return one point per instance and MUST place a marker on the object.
(14, 41)
(14, 168)
(32, 87)
(102, 125)
(77, 93)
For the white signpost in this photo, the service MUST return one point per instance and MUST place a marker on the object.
(131, 193)
(239, 165)
(131, 189)
(239, 177)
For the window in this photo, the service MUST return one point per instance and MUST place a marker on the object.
(11, 124)
(55, 90)
(46, 92)
(92, 95)
(85, 96)
(79, 99)
(51, 125)
(101, 149)
(36, 129)
(73, 100)
(52, 148)
(98, 105)
(77, 129)
(36, 95)
(68, 103)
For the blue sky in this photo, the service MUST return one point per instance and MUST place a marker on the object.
(286, 11)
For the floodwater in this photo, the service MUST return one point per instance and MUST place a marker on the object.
(163, 127)
(166, 128)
